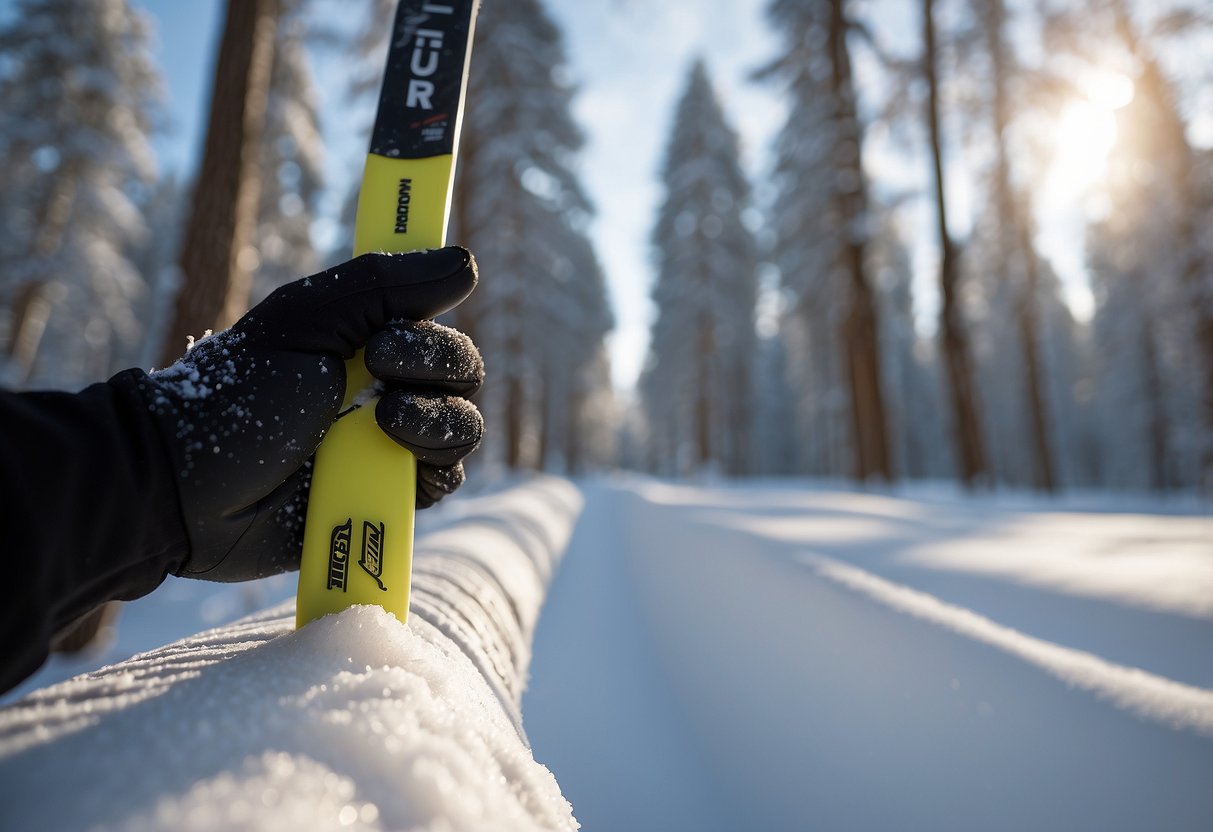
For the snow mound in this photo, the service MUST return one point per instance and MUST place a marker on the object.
(354, 722)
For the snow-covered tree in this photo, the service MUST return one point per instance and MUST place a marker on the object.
(1149, 368)
(541, 313)
(1025, 341)
(1015, 263)
(1151, 260)
(1061, 344)
(164, 209)
(822, 228)
(918, 438)
(78, 88)
(1135, 422)
(697, 385)
(774, 410)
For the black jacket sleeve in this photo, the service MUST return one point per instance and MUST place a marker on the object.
(90, 512)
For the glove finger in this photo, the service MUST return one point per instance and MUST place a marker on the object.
(439, 430)
(435, 482)
(338, 310)
(426, 354)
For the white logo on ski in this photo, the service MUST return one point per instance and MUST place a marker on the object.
(427, 49)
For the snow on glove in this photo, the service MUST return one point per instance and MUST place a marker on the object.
(431, 371)
(244, 410)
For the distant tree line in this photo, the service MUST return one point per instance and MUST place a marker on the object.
(1006, 387)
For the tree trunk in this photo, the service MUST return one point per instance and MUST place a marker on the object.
(31, 314)
(1157, 429)
(464, 317)
(704, 444)
(1029, 339)
(573, 430)
(1013, 217)
(217, 257)
(967, 428)
(548, 441)
(515, 420)
(861, 325)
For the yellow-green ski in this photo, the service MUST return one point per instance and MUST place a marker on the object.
(358, 538)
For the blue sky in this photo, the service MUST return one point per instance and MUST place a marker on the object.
(186, 36)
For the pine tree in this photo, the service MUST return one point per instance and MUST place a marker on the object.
(822, 228)
(1173, 216)
(1014, 250)
(775, 440)
(164, 209)
(698, 382)
(917, 439)
(1059, 343)
(78, 86)
(540, 314)
(1152, 267)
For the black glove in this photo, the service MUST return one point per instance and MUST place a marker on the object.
(242, 412)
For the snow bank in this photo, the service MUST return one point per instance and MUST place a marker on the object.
(354, 722)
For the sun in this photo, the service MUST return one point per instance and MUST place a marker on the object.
(1085, 134)
(1083, 138)
(1108, 90)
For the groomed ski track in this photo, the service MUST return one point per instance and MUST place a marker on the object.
(750, 658)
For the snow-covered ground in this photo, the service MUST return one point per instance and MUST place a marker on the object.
(777, 657)
(767, 656)
(353, 722)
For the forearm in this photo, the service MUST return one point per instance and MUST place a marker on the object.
(90, 507)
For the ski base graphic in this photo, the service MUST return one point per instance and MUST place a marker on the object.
(365, 553)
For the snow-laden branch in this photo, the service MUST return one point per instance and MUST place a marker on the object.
(353, 722)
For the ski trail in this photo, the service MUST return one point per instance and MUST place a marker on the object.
(1150, 696)
(820, 709)
(598, 710)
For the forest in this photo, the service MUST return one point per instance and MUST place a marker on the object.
(800, 327)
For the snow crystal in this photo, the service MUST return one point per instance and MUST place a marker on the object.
(189, 380)
(366, 395)
(190, 342)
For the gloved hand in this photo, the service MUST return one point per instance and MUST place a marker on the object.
(241, 414)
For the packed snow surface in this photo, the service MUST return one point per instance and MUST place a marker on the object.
(354, 722)
(795, 656)
(728, 657)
